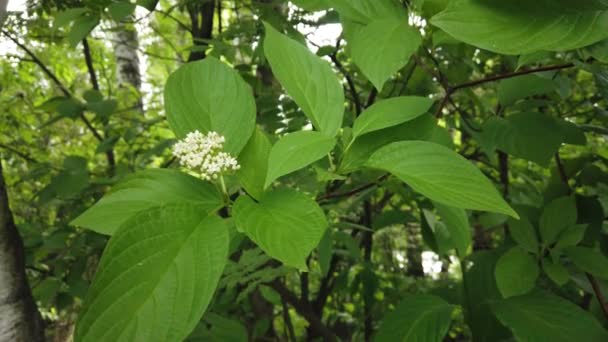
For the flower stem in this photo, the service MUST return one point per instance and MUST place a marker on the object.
(224, 191)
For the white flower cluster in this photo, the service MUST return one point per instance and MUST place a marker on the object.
(203, 153)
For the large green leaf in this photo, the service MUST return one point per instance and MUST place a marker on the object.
(539, 317)
(522, 26)
(515, 88)
(254, 163)
(208, 95)
(556, 217)
(365, 11)
(285, 224)
(479, 291)
(309, 80)
(295, 151)
(144, 190)
(417, 318)
(421, 128)
(156, 276)
(516, 272)
(390, 112)
(524, 234)
(531, 135)
(589, 260)
(383, 47)
(441, 175)
(457, 223)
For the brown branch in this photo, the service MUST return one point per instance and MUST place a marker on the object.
(351, 192)
(55, 80)
(305, 310)
(349, 80)
(510, 75)
(89, 61)
(95, 84)
(598, 294)
(23, 155)
(372, 97)
(287, 320)
(42, 66)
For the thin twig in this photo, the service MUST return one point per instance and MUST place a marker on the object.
(511, 74)
(349, 80)
(353, 191)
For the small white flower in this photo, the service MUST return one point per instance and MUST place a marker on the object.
(203, 153)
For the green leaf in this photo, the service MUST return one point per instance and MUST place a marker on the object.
(436, 234)
(556, 272)
(571, 236)
(573, 135)
(103, 108)
(383, 47)
(223, 329)
(161, 267)
(285, 224)
(147, 4)
(295, 151)
(524, 234)
(107, 144)
(516, 272)
(480, 290)
(308, 79)
(92, 95)
(556, 217)
(81, 28)
(545, 317)
(390, 112)
(362, 148)
(417, 318)
(325, 249)
(530, 135)
(364, 11)
(312, 5)
(441, 175)
(65, 17)
(144, 190)
(522, 26)
(254, 163)
(208, 95)
(457, 223)
(589, 260)
(120, 10)
(513, 89)
(70, 108)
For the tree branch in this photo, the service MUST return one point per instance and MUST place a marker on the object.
(353, 191)
(42, 66)
(510, 75)
(304, 309)
(89, 61)
(55, 80)
(95, 84)
(349, 80)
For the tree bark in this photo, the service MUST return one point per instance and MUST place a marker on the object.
(126, 43)
(201, 18)
(20, 320)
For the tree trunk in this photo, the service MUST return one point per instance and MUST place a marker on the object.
(20, 320)
(126, 43)
(201, 18)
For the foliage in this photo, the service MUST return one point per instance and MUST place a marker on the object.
(473, 131)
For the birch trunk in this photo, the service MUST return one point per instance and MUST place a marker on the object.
(20, 320)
